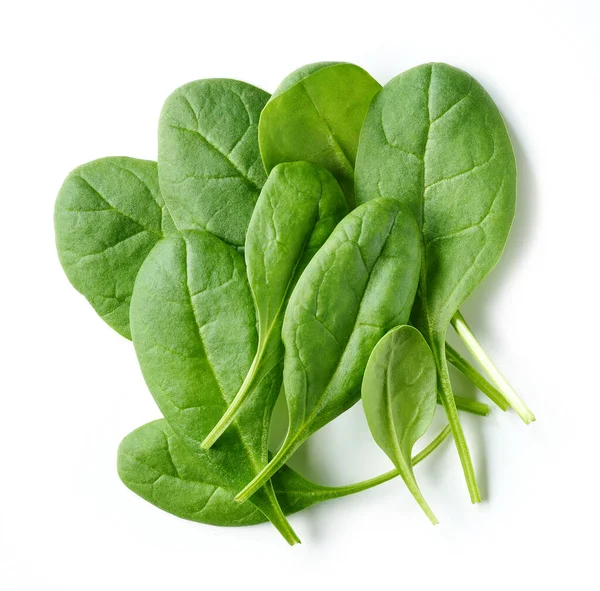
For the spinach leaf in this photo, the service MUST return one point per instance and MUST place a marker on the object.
(297, 210)
(316, 115)
(434, 140)
(194, 332)
(360, 284)
(209, 165)
(108, 215)
(399, 398)
(157, 466)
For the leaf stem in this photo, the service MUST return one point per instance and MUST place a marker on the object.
(456, 359)
(445, 390)
(464, 332)
(350, 489)
(468, 405)
(278, 460)
(232, 410)
(279, 520)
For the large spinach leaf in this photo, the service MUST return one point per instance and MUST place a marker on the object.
(399, 398)
(434, 140)
(108, 215)
(194, 332)
(209, 165)
(316, 115)
(298, 208)
(361, 283)
(157, 466)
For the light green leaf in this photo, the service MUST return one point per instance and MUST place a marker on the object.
(399, 392)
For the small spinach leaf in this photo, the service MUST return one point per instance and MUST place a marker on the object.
(194, 332)
(297, 210)
(361, 283)
(316, 115)
(209, 165)
(108, 215)
(399, 398)
(434, 140)
(157, 466)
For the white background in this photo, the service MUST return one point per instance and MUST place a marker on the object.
(81, 80)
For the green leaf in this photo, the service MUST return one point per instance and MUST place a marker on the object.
(316, 115)
(298, 208)
(108, 215)
(434, 140)
(194, 332)
(209, 164)
(154, 464)
(360, 284)
(399, 393)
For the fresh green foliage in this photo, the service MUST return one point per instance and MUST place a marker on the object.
(322, 301)
(434, 140)
(108, 215)
(194, 331)
(154, 464)
(316, 115)
(399, 392)
(298, 208)
(209, 165)
(360, 284)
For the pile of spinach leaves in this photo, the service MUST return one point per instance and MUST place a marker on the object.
(314, 244)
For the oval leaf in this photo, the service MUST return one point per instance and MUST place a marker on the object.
(209, 164)
(298, 208)
(108, 215)
(316, 115)
(360, 284)
(434, 140)
(194, 332)
(399, 393)
(153, 463)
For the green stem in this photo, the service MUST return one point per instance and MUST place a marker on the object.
(468, 405)
(464, 332)
(445, 388)
(279, 459)
(350, 489)
(456, 359)
(232, 410)
(279, 520)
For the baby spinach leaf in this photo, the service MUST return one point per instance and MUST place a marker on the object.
(399, 398)
(194, 332)
(108, 215)
(157, 466)
(360, 284)
(316, 115)
(434, 140)
(298, 208)
(209, 164)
